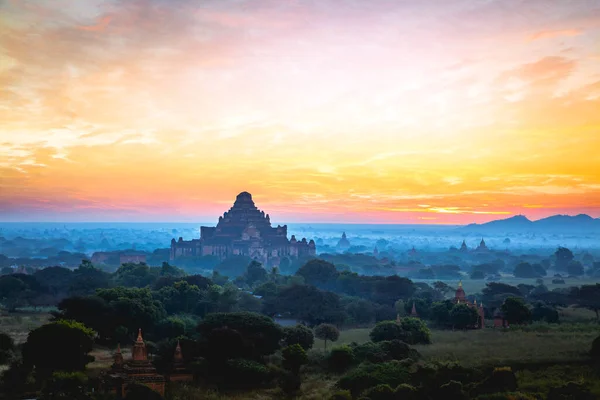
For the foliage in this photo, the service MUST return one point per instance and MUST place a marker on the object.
(365, 376)
(306, 303)
(387, 330)
(255, 273)
(415, 331)
(319, 273)
(327, 332)
(544, 312)
(462, 316)
(516, 311)
(58, 346)
(66, 386)
(294, 357)
(341, 395)
(7, 347)
(298, 334)
(422, 307)
(527, 270)
(440, 313)
(595, 351)
(341, 358)
(259, 334)
(379, 392)
(563, 257)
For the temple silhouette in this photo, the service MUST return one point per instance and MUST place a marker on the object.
(244, 230)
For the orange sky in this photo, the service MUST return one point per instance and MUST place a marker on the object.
(443, 111)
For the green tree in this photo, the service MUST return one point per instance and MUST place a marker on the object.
(299, 334)
(294, 357)
(341, 358)
(319, 273)
(255, 273)
(387, 330)
(575, 268)
(462, 316)
(135, 275)
(440, 312)
(87, 278)
(327, 332)
(587, 296)
(11, 292)
(260, 335)
(516, 311)
(66, 386)
(58, 346)
(415, 331)
(526, 270)
(563, 257)
(7, 348)
(361, 311)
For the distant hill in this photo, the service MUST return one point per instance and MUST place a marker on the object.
(555, 224)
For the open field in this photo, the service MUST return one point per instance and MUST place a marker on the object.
(494, 347)
(18, 325)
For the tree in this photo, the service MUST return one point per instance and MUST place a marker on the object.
(575, 268)
(59, 346)
(179, 298)
(440, 312)
(255, 273)
(327, 332)
(563, 257)
(261, 336)
(526, 270)
(300, 335)
(306, 303)
(415, 331)
(294, 357)
(7, 347)
(135, 275)
(387, 330)
(587, 296)
(389, 289)
(87, 278)
(66, 386)
(11, 292)
(319, 273)
(462, 316)
(516, 311)
(422, 307)
(341, 358)
(361, 311)
(543, 312)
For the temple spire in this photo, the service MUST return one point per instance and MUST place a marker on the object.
(139, 336)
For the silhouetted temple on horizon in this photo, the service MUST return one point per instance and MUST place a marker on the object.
(244, 230)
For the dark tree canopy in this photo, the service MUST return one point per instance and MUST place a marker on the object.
(516, 311)
(319, 273)
(59, 346)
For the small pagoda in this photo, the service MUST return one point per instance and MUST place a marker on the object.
(138, 370)
(179, 372)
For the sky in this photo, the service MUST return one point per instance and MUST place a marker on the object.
(379, 111)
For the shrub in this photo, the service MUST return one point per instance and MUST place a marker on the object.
(452, 390)
(415, 330)
(406, 392)
(294, 357)
(370, 375)
(386, 350)
(570, 390)
(507, 396)
(543, 312)
(595, 351)
(502, 380)
(386, 330)
(290, 383)
(247, 374)
(380, 392)
(299, 334)
(341, 358)
(341, 395)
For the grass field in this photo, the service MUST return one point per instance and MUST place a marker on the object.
(18, 325)
(494, 347)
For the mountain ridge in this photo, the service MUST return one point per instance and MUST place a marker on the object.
(553, 223)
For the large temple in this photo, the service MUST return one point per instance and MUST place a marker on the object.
(244, 230)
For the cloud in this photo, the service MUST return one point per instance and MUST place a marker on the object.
(554, 34)
(101, 25)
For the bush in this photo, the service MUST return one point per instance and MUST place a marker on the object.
(502, 380)
(507, 396)
(386, 350)
(386, 330)
(341, 395)
(294, 357)
(290, 383)
(415, 331)
(341, 358)
(246, 374)
(570, 390)
(369, 375)
(380, 392)
(543, 312)
(406, 392)
(299, 334)
(595, 351)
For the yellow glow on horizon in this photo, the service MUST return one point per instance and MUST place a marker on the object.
(381, 113)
